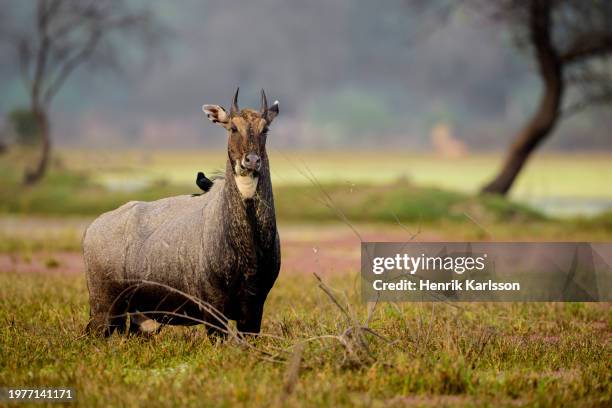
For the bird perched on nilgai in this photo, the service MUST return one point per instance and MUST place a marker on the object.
(203, 182)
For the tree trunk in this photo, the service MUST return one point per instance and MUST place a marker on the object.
(33, 176)
(544, 119)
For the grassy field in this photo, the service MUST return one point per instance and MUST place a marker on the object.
(73, 194)
(421, 354)
(312, 353)
(558, 184)
(71, 188)
(576, 175)
(378, 189)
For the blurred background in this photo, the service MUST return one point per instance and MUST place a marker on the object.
(402, 111)
(424, 120)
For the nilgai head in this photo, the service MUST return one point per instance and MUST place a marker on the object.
(246, 146)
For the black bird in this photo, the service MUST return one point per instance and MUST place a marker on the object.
(203, 182)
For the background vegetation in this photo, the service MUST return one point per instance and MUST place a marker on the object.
(313, 353)
(417, 99)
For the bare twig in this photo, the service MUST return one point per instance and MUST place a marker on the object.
(469, 217)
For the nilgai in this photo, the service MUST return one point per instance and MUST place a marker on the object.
(152, 260)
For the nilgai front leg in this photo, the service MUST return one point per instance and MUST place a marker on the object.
(251, 312)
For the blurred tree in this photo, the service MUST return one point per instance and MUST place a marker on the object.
(65, 35)
(571, 42)
(24, 126)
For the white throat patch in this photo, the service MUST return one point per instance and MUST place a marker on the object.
(247, 185)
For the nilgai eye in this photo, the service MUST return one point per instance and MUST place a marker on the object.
(234, 129)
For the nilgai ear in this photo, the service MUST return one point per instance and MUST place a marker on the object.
(272, 112)
(216, 114)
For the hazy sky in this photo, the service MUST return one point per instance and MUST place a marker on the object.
(346, 73)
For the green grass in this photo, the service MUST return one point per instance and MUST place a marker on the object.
(476, 354)
(546, 174)
(69, 193)
(392, 202)
(424, 186)
(76, 193)
(536, 354)
(52, 215)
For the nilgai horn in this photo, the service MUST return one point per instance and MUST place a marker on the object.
(150, 260)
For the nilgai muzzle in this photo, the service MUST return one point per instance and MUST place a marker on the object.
(221, 247)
